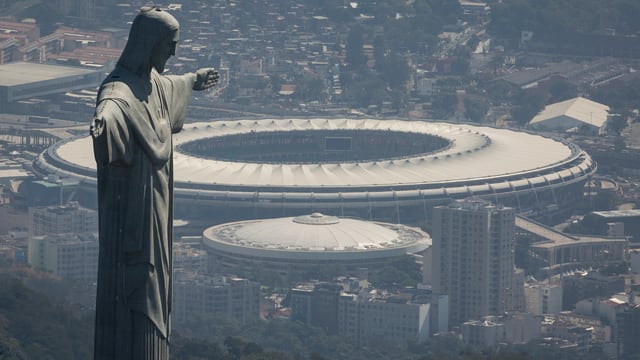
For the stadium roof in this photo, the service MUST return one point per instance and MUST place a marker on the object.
(580, 109)
(629, 213)
(475, 153)
(20, 73)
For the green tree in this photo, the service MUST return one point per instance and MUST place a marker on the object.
(443, 105)
(527, 105)
(561, 91)
(32, 327)
(311, 88)
(616, 123)
(475, 109)
(356, 60)
(195, 349)
(394, 70)
(366, 90)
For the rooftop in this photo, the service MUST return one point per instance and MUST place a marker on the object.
(618, 213)
(21, 73)
(557, 238)
(579, 108)
(475, 153)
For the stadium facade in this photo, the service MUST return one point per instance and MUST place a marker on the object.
(388, 170)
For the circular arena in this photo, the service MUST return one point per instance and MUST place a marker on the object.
(294, 245)
(390, 170)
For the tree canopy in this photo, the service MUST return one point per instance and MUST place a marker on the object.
(548, 17)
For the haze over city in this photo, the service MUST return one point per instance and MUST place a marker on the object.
(425, 179)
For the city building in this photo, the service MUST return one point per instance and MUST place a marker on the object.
(634, 260)
(631, 333)
(291, 246)
(599, 221)
(317, 305)
(612, 311)
(197, 295)
(588, 285)
(577, 113)
(190, 257)
(388, 170)
(472, 258)
(25, 80)
(576, 334)
(511, 328)
(370, 315)
(396, 318)
(69, 218)
(482, 333)
(556, 250)
(601, 330)
(13, 37)
(73, 256)
(84, 10)
(543, 298)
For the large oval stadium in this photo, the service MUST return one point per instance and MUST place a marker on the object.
(391, 170)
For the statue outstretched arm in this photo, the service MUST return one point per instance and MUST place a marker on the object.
(181, 87)
(205, 78)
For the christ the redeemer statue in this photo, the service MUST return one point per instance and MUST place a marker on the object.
(137, 111)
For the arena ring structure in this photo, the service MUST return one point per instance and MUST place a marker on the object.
(388, 170)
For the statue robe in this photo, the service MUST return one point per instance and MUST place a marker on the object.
(132, 138)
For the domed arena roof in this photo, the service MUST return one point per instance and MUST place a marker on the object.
(316, 237)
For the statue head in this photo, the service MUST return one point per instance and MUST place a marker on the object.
(152, 40)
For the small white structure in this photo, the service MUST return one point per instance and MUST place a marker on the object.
(577, 113)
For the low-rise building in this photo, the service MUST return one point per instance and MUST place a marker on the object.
(370, 315)
(196, 295)
(512, 328)
(601, 331)
(589, 285)
(482, 333)
(557, 250)
(631, 332)
(396, 318)
(190, 257)
(577, 113)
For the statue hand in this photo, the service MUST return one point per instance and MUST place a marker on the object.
(206, 78)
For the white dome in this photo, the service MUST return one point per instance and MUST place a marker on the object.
(316, 236)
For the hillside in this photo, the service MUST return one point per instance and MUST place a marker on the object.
(32, 327)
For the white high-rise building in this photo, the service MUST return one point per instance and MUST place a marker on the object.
(64, 219)
(473, 258)
(73, 256)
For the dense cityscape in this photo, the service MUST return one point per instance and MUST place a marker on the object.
(428, 179)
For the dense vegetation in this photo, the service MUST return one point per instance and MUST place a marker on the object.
(32, 327)
(548, 17)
